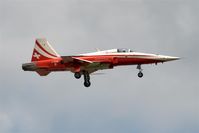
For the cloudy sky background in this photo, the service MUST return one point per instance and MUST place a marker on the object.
(166, 100)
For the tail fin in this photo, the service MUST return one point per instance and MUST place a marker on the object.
(43, 51)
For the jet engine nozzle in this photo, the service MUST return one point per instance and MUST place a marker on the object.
(29, 67)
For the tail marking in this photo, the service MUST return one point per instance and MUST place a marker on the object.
(43, 51)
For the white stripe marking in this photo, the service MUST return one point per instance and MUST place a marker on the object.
(46, 45)
(43, 53)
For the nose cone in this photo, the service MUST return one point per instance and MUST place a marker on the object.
(168, 58)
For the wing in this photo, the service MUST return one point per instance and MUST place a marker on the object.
(87, 65)
(72, 59)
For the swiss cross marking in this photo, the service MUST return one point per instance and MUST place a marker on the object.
(36, 55)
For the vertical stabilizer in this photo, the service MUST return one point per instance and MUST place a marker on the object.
(43, 51)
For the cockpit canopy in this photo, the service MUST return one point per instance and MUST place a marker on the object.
(124, 50)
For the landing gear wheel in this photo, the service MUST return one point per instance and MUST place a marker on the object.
(140, 74)
(77, 75)
(87, 83)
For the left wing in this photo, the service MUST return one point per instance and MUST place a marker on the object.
(87, 65)
(72, 59)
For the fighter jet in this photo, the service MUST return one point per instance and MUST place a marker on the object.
(46, 60)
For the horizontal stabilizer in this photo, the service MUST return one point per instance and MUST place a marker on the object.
(42, 72)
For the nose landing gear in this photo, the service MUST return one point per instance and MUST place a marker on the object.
(140, 74)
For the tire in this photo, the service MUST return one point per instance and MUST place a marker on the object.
(77, 75)
(140, 74)
(87, 83)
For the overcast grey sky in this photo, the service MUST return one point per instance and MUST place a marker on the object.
(166, 100)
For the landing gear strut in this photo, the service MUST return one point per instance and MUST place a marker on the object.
(140, 74)
(87, 82)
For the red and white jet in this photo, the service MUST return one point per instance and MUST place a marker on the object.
(45, 60)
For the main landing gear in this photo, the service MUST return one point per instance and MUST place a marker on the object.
(87, 82)
(140, 74)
